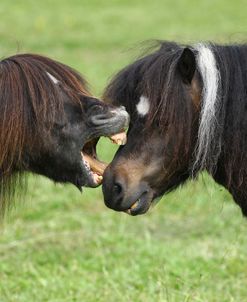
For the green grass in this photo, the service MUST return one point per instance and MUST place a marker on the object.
(63, 246)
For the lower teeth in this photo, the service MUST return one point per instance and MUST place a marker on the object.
(95, 175)
(135, 204)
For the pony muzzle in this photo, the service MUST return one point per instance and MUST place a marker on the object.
(121, 197)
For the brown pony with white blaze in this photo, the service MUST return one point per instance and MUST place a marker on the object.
(50, 124)
(188, 108)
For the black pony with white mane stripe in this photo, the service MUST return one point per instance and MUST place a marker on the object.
(188, 109)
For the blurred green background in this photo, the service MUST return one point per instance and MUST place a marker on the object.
(63, 246)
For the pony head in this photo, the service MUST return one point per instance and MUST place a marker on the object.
(174, 132)
(50, 124)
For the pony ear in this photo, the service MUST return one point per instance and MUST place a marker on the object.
(187, 65)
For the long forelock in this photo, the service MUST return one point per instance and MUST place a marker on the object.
(170, 106)
(162, 86)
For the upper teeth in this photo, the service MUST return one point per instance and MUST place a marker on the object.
(119, 138)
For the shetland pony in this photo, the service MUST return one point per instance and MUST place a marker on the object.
(49, 124)
(188, 113)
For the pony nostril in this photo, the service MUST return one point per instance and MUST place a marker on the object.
(98, 119)
(117, 195)
(114, 190)
(102, 119)
(117, 189)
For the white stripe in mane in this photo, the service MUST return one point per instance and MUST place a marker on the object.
(209, 107)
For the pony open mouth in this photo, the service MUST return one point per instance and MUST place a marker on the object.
(94, 167)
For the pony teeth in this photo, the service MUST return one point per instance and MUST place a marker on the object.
(119, 138)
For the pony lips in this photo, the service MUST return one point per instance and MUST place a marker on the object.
(142, 204)
(95, 167)
(134, 206)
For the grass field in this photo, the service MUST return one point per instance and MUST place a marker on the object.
(61, 246)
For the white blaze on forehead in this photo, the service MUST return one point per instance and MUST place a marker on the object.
(210, 102)
(54, 80)
(143, 106)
